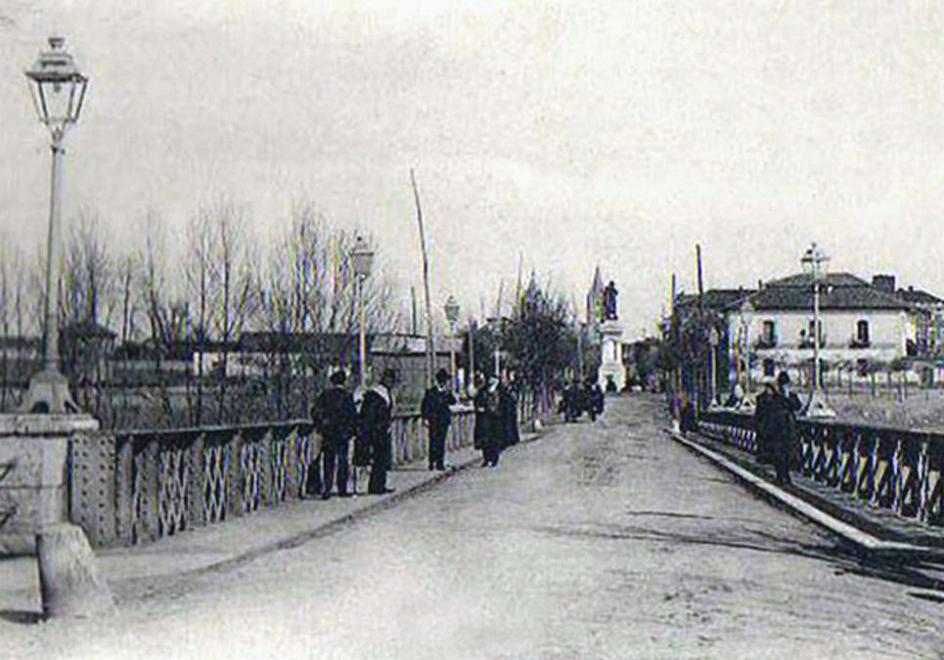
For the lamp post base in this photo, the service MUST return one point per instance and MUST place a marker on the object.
(817, 406)
(49, 394)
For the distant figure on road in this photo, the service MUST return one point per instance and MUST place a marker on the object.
(595, 399)
(437, 417)
(778, 427)
(376, 417)
(335, 417)
(572, 401)
(488, 428)
(762, 432)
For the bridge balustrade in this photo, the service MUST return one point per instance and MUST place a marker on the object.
(883, 466)
(133, 487)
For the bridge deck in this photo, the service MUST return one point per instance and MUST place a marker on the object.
(605, 540)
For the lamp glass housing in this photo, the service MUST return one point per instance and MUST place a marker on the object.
(363, 258)
(57, 87)
(452, 310)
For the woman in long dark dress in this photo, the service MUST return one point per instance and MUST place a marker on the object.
(508, 411)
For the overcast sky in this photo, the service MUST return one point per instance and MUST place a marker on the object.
(617, 133)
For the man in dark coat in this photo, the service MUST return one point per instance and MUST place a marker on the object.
(336, 419)
(437, 417)
(488, 428)
(762, 407)
(595, 400)
(376, 418)
(780, 427)
(508, 412)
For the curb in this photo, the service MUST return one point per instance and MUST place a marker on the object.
(862, 541)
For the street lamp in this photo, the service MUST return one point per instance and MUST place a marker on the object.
(814, 263)
(451, 308)
(363, 258)
(58, 91)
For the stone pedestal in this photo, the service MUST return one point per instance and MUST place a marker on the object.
(34, 509)
(611, 358)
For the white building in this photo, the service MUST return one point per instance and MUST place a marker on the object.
(859, 324)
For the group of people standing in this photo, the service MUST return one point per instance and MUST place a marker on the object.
(578, 399)
(775, 426)
(367, 422)
(339, 421)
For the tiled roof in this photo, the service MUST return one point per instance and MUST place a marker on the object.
(840, 291)
(802, 281)
(714, 298)
(919, 297)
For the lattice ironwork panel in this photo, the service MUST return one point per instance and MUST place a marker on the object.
(172, 490)
(280, 457)
(214, 483)
(250, 460)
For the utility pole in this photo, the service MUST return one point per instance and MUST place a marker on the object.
(430, 350)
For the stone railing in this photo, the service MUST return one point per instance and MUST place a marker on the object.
(134, 487)
(882, 466)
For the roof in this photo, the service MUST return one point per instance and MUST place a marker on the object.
(412, 344)
(839, 291)
(714, 298)
(802, 281)
(918, 297)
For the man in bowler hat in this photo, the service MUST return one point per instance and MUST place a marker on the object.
(436, 417)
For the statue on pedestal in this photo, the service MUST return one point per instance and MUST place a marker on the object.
(609, 302)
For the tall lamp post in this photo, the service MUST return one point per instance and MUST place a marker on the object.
(58, 91)
(363, 258)
(451, 309)
(814, 262)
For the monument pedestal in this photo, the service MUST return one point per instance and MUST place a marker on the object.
(612, 375)
(34, 511)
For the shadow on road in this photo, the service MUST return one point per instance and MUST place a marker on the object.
(845, 560)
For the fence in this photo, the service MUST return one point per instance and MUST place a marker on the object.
(129, 488)
(882, 466)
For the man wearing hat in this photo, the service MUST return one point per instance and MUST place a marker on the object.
(376, 417)
(779, 426)
(336, 419)
(437, 417)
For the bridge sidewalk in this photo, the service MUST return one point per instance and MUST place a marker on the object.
(134, 571)
(874, 531)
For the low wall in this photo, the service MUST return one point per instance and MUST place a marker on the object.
(884, 467)
(129, 488)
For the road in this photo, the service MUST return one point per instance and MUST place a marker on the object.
(603, 540)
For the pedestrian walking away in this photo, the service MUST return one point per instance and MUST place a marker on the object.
(375, 419)
(437, 416)
(335, 418)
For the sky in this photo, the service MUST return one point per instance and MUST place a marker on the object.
(617, 133)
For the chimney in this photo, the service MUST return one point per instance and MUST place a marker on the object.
(884, 283)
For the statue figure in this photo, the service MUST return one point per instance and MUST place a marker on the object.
(609, 302)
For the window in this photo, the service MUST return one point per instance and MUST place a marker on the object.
(769, 367)
(862, 331)
(768, 334)
(811, 332)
